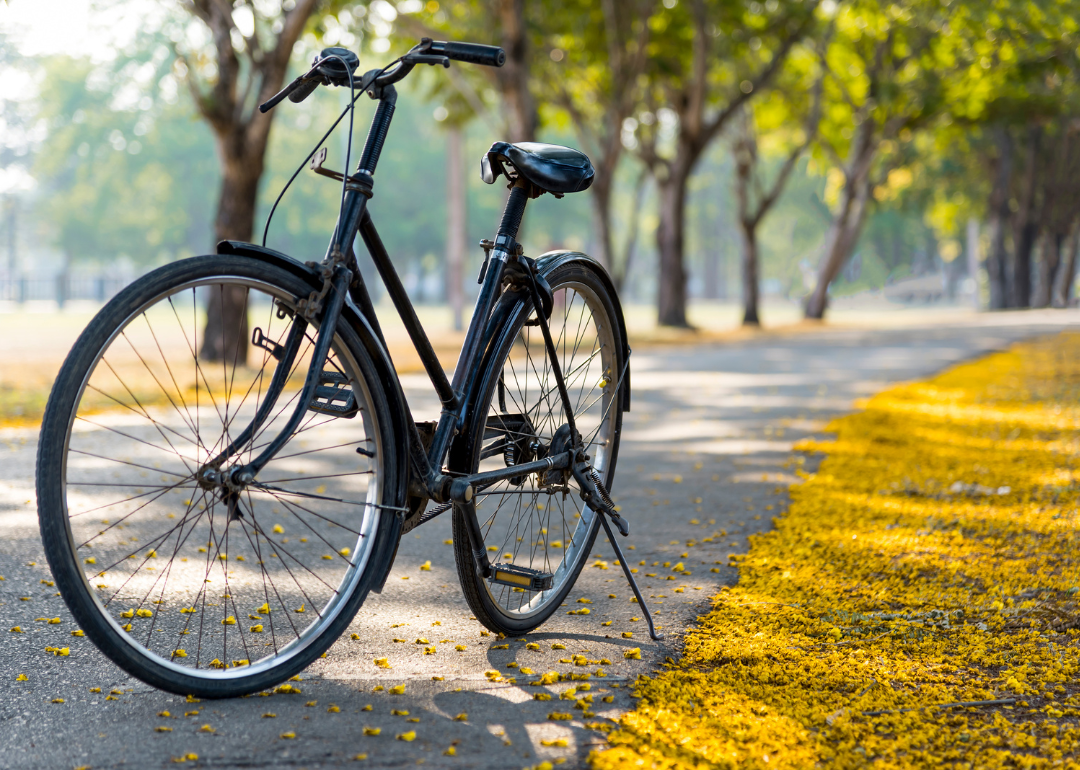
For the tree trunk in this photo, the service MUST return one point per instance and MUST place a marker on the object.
(601, 205)
(244, 75)
(456, 221)
(1021, 277)
(620, 274)
(671, 299)
(520, 107)
(997, 258)
(1066, 272)
(749, 274)
(225, 337)
(839, 243)
(847, 224)
(973, 259)
(1050, 258)
(1026, 226)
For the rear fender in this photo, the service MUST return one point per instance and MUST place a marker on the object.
(388, 379)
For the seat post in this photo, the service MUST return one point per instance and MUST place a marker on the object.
(515, 209)
(504, 248)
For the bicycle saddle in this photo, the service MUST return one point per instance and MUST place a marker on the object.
(551, 167)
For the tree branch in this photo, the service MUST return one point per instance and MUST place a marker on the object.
(716, 124)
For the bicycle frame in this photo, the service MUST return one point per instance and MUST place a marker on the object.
(341, 278)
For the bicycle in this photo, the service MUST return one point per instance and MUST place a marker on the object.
(183, 500)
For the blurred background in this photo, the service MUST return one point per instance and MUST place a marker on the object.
(757, 162)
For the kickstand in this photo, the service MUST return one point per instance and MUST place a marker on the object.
(629, 576)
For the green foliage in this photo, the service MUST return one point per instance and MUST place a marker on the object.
(123, 168)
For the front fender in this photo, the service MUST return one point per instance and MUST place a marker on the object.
(388, 378)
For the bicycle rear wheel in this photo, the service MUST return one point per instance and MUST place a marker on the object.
(182, 584)
(538, 522)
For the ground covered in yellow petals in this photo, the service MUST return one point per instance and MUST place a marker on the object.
(917, 606)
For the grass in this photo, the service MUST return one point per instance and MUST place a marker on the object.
(917, 606)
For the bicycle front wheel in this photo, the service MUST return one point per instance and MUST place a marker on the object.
(187, 585)
(539, 522)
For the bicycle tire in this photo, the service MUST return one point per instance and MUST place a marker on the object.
(154, 413)
(577, 283)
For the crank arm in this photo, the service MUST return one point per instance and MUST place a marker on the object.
(630, 579)
(476, 537)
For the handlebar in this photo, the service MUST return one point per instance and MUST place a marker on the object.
(427, 52)
(472, 53)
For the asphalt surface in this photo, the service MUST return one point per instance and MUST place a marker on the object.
(705, 461)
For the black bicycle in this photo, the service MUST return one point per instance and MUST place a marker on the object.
(227, 461)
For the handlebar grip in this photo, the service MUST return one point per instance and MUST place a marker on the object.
(473, 53)
(304, 90)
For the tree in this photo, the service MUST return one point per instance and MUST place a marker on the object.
(596, 54)
(886, 72)
(707, 57)
(789, 114)
(120, 180)
(470, 21)
(246, 65)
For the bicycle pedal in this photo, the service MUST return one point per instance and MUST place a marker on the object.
(334, 396)
(521, 577)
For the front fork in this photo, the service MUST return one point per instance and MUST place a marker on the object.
(330, 302)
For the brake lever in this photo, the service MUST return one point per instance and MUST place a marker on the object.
(276, 99)
(422, 58)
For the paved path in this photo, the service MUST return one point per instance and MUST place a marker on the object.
(706, 454)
